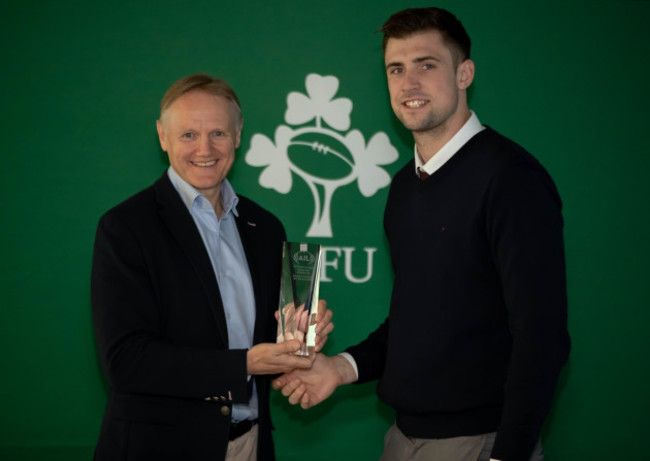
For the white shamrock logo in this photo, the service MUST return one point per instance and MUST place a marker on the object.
(343, 158)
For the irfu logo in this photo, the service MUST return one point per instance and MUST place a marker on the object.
(324, 154)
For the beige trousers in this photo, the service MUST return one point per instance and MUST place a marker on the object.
(244, 448)
(399, 447)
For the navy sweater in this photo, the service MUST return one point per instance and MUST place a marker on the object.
(476, 335)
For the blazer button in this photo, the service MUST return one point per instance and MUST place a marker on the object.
(225, 410)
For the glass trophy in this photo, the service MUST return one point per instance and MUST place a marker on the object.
(301, 263)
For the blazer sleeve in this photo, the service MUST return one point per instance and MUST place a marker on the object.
(135, 330)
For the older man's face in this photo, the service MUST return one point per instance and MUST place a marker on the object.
(200, 132)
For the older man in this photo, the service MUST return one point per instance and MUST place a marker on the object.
(185, 283)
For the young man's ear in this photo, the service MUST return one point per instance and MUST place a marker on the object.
(465, 74)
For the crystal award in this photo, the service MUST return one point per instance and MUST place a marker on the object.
(299, 284)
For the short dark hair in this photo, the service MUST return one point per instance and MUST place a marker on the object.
(413, 20)
(199, 82)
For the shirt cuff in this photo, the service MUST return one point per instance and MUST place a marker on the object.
(350, 359)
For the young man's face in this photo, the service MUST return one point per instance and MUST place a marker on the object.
(425, 85)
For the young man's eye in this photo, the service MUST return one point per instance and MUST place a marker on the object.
(396, 70)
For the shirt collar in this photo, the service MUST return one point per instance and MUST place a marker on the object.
(471, 127)
(189, 195)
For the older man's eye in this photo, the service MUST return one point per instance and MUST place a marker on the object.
(188, 135)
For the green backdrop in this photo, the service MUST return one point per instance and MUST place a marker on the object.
(80, 87)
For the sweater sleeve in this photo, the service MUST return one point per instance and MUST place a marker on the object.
(370, 354)
(524, 226)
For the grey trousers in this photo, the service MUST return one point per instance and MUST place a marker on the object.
(399, 447)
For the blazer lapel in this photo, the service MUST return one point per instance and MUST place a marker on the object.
(180, 223)
(250, 239)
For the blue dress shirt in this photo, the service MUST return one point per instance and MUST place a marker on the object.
(223, 244)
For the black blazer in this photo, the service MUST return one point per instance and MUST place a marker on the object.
(161, 329)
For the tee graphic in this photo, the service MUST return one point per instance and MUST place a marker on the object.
(322, 154)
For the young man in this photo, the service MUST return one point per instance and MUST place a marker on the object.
(476, 335)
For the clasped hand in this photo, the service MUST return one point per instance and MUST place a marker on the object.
(309, 387)
(270, 358)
